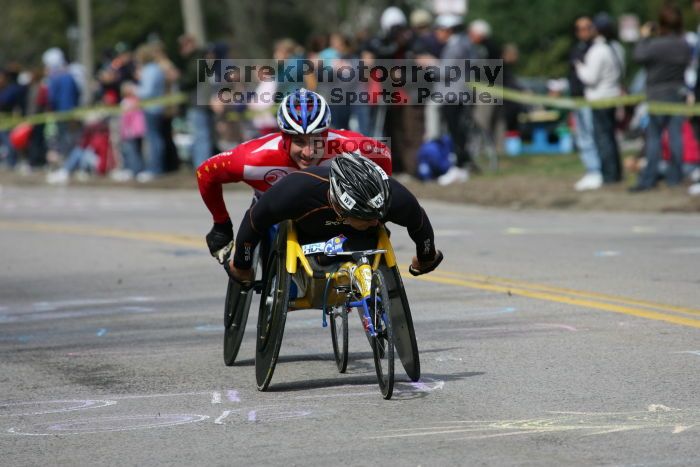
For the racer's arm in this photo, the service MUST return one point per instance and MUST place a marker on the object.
(226, 167)
(406, 211)
(211, 174)
(286, 199)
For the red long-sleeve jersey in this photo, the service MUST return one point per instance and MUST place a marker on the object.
(263, 161)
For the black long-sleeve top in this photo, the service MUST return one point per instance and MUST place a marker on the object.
(303, 197)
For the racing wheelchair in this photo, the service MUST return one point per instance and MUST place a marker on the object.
(293, 279)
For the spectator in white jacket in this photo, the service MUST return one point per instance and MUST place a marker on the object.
(601, 73)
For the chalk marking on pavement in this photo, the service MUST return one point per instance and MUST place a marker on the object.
(589, 424)
(685, 251)
(81, 405)
(546, 293)
(566, 327)
(47, 315)
(658, 408)
(102, 424)
(606, 254)
(85, 302)
(232, 395)
(640, 229)
(495, 311)
(692, 352)
(216, 397)
(252, 416)
(224, 414)
(174, 394)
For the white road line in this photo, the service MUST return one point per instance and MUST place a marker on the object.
(216, 398)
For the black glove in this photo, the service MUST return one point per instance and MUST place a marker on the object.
(244, 285)
(220, 240)
(435, 263)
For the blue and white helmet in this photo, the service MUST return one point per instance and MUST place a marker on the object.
(303, 112)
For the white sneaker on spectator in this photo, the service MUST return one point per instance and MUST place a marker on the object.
(590, 181)
(82, 176)
(121, 175)
(454, 175)
(58, 177)
(695, 175)
(694, 189)
(24, 169)
(403, 178)
(145, 177)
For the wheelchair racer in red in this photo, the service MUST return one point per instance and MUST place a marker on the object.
(304, 140)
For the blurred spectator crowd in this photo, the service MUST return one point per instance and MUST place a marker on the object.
(446, 143)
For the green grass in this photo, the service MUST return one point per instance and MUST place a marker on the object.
(536, 164)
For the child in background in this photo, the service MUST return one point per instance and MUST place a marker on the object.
(132, 129)
(91, 156)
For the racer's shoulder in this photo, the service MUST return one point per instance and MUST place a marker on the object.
(269, 142)
(347, 134)
(259, 151)
(311, 176)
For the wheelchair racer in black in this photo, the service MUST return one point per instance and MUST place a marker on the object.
(352, 197)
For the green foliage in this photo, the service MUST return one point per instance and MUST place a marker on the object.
(542, 29)
(29, 28)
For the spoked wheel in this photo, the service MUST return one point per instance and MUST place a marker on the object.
(274, 303)
(383, 342)
(339, 335)
(236, 313)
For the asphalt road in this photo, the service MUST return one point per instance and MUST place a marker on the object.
(547, 338)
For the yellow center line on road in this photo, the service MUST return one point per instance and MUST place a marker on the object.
(560, 298)
(158, 237)
(566, 291)
(475, 281)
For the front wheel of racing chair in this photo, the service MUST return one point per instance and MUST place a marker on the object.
(236, 308)
(401, 319)
(274, 304)
(383, 340)
(339, 336)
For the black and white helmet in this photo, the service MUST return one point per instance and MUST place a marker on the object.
(359, 187)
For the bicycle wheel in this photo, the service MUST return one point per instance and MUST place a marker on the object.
(236, 312)
(274, 303)
(383, 342)
(339, 336)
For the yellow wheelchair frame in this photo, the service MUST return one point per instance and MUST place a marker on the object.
(348, 270)
(373, 287)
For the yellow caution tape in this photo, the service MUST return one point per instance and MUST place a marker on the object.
(514, 95)
(572, 103)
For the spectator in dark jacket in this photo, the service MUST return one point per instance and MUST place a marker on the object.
(665, 58)
(63, 96)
